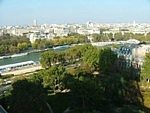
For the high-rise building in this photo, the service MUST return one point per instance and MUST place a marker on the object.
(34, 22)
(134, 23)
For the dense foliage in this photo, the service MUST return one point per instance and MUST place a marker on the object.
(119, 37)
(28, 97)
(13, 44)
(69, 82)
(145, 73)
(58, 41)
(16, 44)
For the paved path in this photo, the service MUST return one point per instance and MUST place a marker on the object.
(24, 70)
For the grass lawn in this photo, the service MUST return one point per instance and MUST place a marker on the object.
(145, 89)
(146, 96)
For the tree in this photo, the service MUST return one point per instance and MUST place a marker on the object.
(22, 46)
(34, 45)
(118, 36)
(28, 97)
(14, 44)
(48, 58)
(52, 78)
(96, 37)
(2, 50)
(145, 73)
(61, 57)
(13, 49)
(91, 57)
(107, 59)
(73, 53)
(86, 91)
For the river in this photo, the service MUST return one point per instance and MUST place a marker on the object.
(34, 56)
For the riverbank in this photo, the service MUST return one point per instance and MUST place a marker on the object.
(22, 54)
(29, 69)
(34, 51)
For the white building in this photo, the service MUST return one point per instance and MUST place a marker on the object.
(34, 22)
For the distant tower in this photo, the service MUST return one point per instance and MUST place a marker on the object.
(34, 23)
(134, 23)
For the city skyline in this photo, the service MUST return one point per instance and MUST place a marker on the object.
(21, 12)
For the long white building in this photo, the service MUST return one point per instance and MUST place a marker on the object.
(10, 67)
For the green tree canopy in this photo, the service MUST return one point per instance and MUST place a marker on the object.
(48, 58)
(28, 97)
(107, 60)
(145, 73)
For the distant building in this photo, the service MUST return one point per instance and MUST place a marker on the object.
(33, 37)
(34, 22)
(133, 54)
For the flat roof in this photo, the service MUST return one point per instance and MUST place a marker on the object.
(16, 64)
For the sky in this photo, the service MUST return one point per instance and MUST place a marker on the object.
(23, 12)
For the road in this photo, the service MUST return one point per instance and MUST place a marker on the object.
(24, 70)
